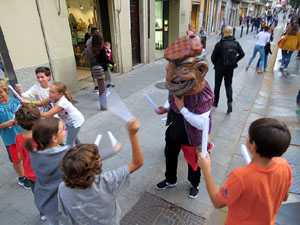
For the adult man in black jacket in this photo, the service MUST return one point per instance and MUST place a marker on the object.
(222, 70)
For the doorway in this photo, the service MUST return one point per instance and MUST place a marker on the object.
(135, 31)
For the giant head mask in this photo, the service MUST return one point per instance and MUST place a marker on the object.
(186, 69)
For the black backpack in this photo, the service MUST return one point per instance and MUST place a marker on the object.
(230, 54)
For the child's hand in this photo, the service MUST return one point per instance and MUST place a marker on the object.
(10, 123)
(203, 163)
(162, 110)
(117, 147)
(26, 101)
(18, 88)
(133, 126)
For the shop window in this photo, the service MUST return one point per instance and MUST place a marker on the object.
(82, 13)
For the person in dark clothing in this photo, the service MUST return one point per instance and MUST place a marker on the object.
(222, 70)
(256, 24)
(100, 57)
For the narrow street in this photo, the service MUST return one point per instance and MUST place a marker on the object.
(254, 96)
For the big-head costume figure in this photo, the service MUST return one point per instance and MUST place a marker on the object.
(190, 100)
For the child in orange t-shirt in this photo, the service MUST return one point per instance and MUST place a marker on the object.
(255, 192)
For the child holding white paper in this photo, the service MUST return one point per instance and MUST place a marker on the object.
(255, 192)
(70, 115)
(85, 184)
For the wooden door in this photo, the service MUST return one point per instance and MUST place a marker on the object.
(135, 34)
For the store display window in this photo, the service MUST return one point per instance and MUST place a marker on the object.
(82, 14)
(158, 24)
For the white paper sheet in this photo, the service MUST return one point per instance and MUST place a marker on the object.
(98, 139)
(205, 136)
(15, 93)
(151, 102)
(112, 139)
(245, 153)
(115, 104)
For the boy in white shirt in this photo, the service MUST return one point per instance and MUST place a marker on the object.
(39, 91)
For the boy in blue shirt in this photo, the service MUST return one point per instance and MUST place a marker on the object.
(9, 129)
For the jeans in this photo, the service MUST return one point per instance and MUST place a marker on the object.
(261, 50)
(227, 74)
(286, 57)
(265, 61)
(72, 136)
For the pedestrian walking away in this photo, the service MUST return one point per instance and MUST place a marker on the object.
(288, 45)
(225, 56)
(261, 39)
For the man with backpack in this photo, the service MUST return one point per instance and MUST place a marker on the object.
(225, 56)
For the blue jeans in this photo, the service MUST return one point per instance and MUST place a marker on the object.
(286, 57)
(265, 62)
(261, 50)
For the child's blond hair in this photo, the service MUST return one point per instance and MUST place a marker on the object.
(4, 84)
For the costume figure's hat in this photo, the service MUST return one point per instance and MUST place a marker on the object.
(184, 47)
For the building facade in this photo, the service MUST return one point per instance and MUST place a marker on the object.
(52, 32)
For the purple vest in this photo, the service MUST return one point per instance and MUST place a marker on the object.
(199, 103)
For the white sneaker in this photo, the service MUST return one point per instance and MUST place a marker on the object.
(281, 67)
(284, 69)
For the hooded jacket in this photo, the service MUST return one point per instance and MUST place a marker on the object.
(217, 56)
(46, 166)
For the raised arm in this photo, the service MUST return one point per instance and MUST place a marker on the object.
(52, 111)
(137, 155)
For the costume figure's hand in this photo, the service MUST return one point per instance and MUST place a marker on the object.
(179, 102)
(203, 163)
(162, 110)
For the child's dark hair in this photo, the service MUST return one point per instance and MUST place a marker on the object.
(42, 132)
(62, 88)
(272, 137)
(43, 69)
(80, 165)
(27, 115)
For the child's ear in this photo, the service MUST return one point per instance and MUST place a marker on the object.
(54, 139)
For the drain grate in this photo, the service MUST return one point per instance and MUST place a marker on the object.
(151, 210)
(292, 155)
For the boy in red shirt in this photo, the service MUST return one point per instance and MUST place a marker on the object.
(255, 192)
(26, 116)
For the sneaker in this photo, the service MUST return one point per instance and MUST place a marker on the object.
(27, 184)
(21, 181)
(43, 217)
(281, 67)
(247, 67)
(284, 69)
(259, 71)
(96, 89)
(164, 185)
(194, 192)
(266, 70)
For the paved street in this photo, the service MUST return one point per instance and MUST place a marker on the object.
(255, 96)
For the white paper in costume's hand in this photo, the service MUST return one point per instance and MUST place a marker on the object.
(245, 153)
(151, 102)
(205, 136)
(112, 139)
(115, 104)
(15, 93)
(98, 139)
